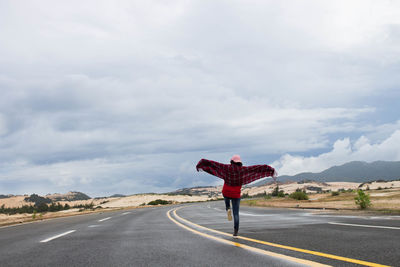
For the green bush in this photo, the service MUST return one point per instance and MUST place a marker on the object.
(281, 193)
(362, 199)
(335, 193)
(299, 195)
(84, 206)
(278, 193)
(159, 202)
(246, 195)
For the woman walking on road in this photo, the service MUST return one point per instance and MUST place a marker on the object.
(235, 175)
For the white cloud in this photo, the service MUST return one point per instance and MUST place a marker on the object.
(343, 151)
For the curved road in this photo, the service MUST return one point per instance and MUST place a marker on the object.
(200, 235)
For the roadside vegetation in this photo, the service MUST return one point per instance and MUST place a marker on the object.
(299, 195)
(362, 199)
(159, 202)
(41, 205)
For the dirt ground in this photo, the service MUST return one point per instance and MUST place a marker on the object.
(382, 200)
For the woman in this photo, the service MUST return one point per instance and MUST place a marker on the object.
(235, 175)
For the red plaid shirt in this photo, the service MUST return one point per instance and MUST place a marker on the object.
(234, 175)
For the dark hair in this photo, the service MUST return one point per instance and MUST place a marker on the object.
(236, 163)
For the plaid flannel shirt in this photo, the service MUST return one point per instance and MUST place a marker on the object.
(234, 175)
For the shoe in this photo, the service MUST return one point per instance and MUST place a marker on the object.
(235, 233)
(229, 212)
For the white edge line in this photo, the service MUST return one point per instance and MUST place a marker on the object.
(57, 236)
(125, 213)
(105, 219)
(363, 225)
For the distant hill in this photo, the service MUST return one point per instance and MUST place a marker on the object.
(355, 171)
(211, 191)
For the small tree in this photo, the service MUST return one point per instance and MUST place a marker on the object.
(275, 191)
(362, 199)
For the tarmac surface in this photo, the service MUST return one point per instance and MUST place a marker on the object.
(200, 235)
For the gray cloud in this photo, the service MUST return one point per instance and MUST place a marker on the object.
(126, 97)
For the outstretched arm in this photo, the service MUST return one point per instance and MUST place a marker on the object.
(253, 173)
(212, 167)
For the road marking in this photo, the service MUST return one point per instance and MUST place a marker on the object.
(105, 219)
(321, 254)
(57, 236)
(94, 225)
(262, 251)
(125, 213)
(364, 225)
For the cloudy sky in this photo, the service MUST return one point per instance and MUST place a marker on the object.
(110, 97)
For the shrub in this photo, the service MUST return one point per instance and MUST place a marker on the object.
(299, 195)
(362, 200)
(335, 193)
(84, 206)
(42, 207)
(159, 202)
(245, 195)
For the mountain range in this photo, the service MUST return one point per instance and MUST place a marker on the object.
(354, 171)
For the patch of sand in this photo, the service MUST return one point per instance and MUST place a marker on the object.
(138, 200)
(292, 187)
(15, 201)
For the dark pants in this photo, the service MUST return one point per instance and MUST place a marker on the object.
(235, 209)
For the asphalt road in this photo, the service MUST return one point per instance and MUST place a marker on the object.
(200, 235)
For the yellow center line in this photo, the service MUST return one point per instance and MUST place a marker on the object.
(321, 254)
(236, 244)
